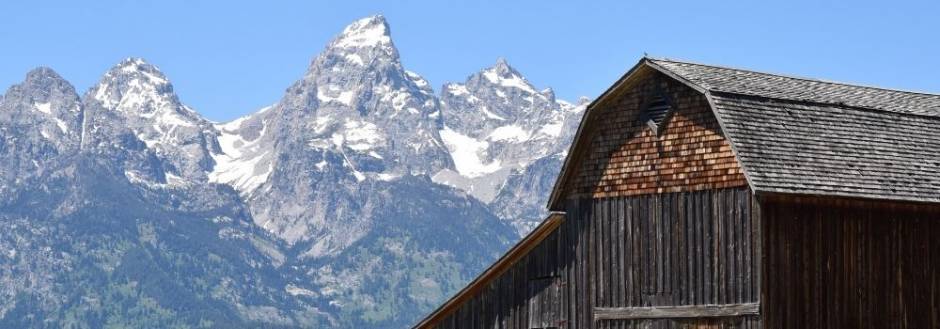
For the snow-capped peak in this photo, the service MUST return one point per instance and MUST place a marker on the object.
(498, 123)
(503, 68)
(362, 49)
(131, 84)
(366, 32)
(140, 98)
(505, 75)
(583, 101)
(140, 67)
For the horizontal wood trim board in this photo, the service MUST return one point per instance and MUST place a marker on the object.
(676, 312)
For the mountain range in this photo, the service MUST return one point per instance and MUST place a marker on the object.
(361, 198)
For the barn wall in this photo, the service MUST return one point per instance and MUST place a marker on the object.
(673, 249)
(506, 301)
(687, 248)
(851, 264)
(622, 156)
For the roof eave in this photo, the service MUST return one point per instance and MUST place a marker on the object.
(765, 193)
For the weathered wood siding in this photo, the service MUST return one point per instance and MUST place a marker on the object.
(688, 248)
(506, 301)
(691, 248)
(623, 156)
(850, 264)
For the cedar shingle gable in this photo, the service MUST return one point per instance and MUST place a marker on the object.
(802, 136)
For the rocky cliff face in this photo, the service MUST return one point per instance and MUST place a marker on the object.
(502, 133)
(359, 199)
(136, 99)
(355, 119)
(40, 127)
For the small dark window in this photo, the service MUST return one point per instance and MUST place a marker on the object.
(545, 303)
(656, 112)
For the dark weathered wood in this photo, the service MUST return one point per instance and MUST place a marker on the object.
(675, 312)
(841, 263)
(661, 250)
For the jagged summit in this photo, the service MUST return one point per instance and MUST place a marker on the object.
(133, 63)
(335, 173)
(505, 75)
(45, 91)
(135, 98)
(497, 125)
(43, 83)
(502, 69)
(584, 100)
(143, 82)
(42, 73)
(364, 45)
(366, 32)
(45, 108)
(135, 66)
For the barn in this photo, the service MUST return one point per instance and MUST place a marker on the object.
(698, 196)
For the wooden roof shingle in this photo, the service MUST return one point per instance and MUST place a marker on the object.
(745, 82)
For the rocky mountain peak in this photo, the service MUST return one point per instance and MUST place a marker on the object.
(40, 124)
(44, 84)
(364, 45)
(42, 76)
(134, 85)
(136, 64)
(334, 212)
(504, 75)
(134, 98)
(366, 32)
(358, 98)
(584, 101)
(502, 70)
(47, 104)
(497, 124)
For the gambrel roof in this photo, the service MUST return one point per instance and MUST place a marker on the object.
(811, 137)
(743, 82)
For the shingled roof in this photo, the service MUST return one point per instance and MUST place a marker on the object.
(773, 86)
(812, 137)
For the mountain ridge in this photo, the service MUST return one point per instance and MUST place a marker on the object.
(344, 200)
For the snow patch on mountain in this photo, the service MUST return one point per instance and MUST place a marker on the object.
(335, 173)
(342, 97)
(469, 154)
(512, 133)
(44, 107)
(361, 135)
(504, 124)
(243, 163)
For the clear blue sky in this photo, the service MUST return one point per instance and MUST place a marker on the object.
(229, 58)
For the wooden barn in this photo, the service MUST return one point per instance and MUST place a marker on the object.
(697, 196)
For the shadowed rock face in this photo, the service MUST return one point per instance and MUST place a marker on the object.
(125, 207)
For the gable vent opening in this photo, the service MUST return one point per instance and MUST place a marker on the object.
(656, 112)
